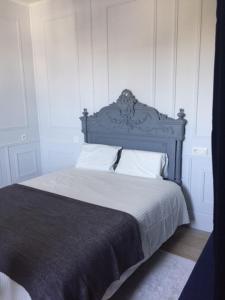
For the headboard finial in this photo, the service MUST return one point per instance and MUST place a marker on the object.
(126, 99)
(126, 93)
(85, 112)
(181, 114)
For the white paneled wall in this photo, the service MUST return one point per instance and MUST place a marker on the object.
(5, 178)
(87, 51)
(19, 136)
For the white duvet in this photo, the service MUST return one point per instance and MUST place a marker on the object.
(158, 206)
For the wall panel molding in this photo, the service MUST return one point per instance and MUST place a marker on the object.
(62, 45)
(116, 41)
(18, 110)
(154, 54)
(205, 69)
(13, 75)
(28, 169)
(176, 28)
(198, 63)
(108, 8)
(166, 58)
(24, 161)
(5, 178)
(201, 187)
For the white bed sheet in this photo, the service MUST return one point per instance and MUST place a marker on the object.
(158, 206)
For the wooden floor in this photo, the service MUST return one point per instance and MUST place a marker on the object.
(187, 242)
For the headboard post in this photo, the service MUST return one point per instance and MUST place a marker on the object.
(178, 172)
(133, 125)
(84, 125)
(179, 150)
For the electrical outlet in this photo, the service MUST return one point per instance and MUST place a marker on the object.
(23, 137)
(199, 151)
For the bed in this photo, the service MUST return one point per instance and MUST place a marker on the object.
(120, 220)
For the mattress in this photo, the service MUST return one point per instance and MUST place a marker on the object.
(158, 206)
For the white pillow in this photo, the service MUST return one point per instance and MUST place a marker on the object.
(97, 157)
(142, 163)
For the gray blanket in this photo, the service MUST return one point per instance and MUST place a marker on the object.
(60, 248)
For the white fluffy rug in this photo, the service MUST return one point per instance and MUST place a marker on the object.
(163, 277)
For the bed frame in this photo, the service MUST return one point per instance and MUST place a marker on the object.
(134, 125)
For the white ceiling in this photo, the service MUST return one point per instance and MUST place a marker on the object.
(30, 1)
(26, 1)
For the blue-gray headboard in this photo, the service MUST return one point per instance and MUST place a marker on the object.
(133, 125)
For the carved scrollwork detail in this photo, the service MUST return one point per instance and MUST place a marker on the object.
(128, 115)
(161, 131)
(126, 100)
(126, 105)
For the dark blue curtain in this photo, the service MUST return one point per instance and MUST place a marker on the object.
(207, 281)
(218, 150)
(200, 285)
